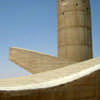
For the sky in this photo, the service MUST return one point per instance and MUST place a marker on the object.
(32, 24)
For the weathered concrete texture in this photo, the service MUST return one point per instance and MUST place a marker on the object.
(86, 87)
(82, 89)
(35, 62)
(53, 79)
(74, 29)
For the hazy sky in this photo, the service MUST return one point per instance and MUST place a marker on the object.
(32, 24)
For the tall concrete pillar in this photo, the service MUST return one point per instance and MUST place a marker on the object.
(74, 29)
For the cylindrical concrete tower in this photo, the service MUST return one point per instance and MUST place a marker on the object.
(74, 29)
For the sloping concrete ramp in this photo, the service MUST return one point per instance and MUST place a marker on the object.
(79, 81)
(36, 62)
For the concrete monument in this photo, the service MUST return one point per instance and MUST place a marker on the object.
(73, 75)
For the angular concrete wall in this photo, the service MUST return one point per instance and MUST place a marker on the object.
(74, 29)
(35, 62)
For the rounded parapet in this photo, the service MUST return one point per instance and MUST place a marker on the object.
(55, 84)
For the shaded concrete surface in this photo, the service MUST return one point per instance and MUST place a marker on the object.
(74, 29)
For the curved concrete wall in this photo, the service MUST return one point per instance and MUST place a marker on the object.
(87, 88)
(79, 81)
(74, 29)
